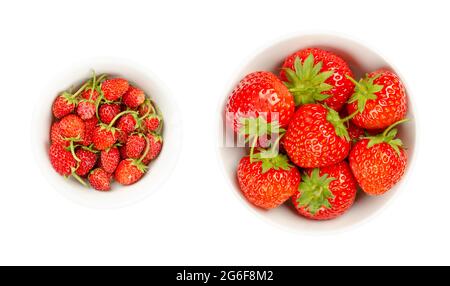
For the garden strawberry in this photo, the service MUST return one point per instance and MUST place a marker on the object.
(56, 137)
(109, 159)
(316, 137)
(100, 180)
(64, 105)
(155, 142)
(379, 162)
(325, 193)
(88, 159)
(260, 94)
(108, 111)
(380, 99)
(72, 126)
(267, 182)
(114, 88)
(314, 75)
(135, 145)
(133, 97)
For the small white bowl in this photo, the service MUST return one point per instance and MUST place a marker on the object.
(361, 60)
(159, 170)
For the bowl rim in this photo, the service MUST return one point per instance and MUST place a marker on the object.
(320, 33)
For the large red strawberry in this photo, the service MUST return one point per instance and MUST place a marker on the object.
(100, 180)
(325, 193)
(133, 97)
(109, 159)
(64, 104)
(267, 182)
(316, 137)
(314, 75)
(135, 145)
(72, 126)
(260, 94)
(88, 159)
(108, 111)
(379, 162)
(114, 88)
(56, 137)
(156, 142)
(380, 99)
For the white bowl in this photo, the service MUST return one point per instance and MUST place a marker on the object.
(159, 170)
(361, 60)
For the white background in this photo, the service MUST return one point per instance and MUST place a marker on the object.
(195, 47)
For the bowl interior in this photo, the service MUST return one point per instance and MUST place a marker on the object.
(361, 60)
(159, 169)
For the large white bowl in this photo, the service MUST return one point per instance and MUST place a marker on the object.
(159, 170)
(361, 60)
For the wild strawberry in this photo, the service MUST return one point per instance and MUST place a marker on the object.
(114, 88)
(155, 146)
(72, 126)
(90, 94)
(123, 152)
(316, 137)
(326, 193)
(379, 163)
(100, 180)
(135, 145)
(129, 171)
(108, 111)
(133, 97)
(64, 104)
(126, 124)
(109, 159)
(88, 159)
(267, 182)
(380, 99)
(104, 136)
(151, 123)
(260, 94)
(90, 125)
(146, 108)
(56, 137)
(63, 162)
(314, 75)
(86, 109)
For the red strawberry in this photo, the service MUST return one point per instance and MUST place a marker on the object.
(114, 88)
(86, 109)
(89, 129)
(72, 126)
(123, 152)
(88, 161)
(380, 98)
(317, 75)
(146, 108)
(126, 124)
(155, 146)
(109, 159)
(379, 163)
(151, 123)
(62, 160)
(129, 171)
(64, 104)
(326, 193)
(133, 97)
(267, 182)
(316, 137)
(260, 94)
(90, 94)
(100, 180)
(135, 145)
(108, 111)
(56, 136)
(104, 137)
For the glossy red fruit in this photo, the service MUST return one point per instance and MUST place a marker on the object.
(90, 94)
(151, 123)
(109, 159)
(269, 182)
(90, 125)
(114, 88)
(133, 97)
(135, 145)
(155, 146)
(378, 163)
(316, 137)
(86, 109)
(56, 137)
(100, 180)
(129, 171)
(72, 126)
(108, 111)
(88, 161)
(64, 104)
(326, 193)
(62, 160)
(380, 98)
(260, 94)
(314, 75)
(104, 137)
(146, 108)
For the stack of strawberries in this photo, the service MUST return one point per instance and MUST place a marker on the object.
(316, 134)
(108, 129)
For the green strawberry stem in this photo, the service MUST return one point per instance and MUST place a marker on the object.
(81, 89)
(120, 115)
(72, 150)
(252, 148)
(393, 125)
(93, 85)
(101, 78)
(97, 105)
(73, 174)
(365, 90)
(147, 148)
(349, 117)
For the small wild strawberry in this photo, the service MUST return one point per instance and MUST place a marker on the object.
(133, 97)
(88, 159)
(72, 126)
(114, 88)
(135, 145)
(155, 143)
(108, 111)
(109, 159)
(56, 137)
(86, 109)
(100, 180)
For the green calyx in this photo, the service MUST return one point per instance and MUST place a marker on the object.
(338, 123)
(389, 137)
(315, 192)
(74, 174)
(365, 90)
(269, 161)
(306, 82)
(257, 127)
